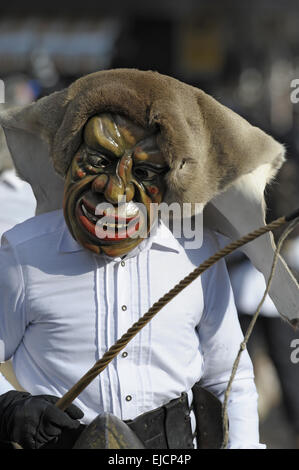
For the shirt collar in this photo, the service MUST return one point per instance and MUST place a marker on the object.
(163, 239)
(160, 239)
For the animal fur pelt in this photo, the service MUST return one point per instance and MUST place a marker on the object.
(216, 158)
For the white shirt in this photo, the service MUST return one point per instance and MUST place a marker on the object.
(62, 307)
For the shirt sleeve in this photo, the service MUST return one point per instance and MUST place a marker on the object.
(13, 321)
(220, 337)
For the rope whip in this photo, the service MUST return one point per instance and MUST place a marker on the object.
(122, 342)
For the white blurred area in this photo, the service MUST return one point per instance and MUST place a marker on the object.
(17, 201)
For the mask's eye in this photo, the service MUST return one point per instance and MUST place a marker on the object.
(98, 161)
(144, 174)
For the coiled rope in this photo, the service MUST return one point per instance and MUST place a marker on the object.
(122, 342)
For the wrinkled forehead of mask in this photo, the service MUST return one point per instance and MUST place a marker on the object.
(116, 133)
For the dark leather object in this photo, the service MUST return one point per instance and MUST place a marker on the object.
(167, 427)
(208, 413)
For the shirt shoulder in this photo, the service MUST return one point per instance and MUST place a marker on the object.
(202, 248)
(43, 225)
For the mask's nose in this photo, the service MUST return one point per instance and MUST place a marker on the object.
(118, 185)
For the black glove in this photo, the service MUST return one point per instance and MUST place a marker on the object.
(33, 421)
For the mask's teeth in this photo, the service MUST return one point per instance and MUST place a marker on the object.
(106, 224)
(128, 209)
(88, 215)
(84, 210)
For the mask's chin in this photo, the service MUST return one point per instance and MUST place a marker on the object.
(121, 248)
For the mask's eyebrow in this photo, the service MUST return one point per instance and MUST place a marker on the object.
(152, 156)
(97, 148)
(158, 168)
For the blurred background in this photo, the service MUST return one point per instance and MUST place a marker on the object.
(245, 54)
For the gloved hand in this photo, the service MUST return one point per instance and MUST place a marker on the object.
(33, 421)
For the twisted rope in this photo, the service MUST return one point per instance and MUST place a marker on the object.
(243, 345)
(121, 343)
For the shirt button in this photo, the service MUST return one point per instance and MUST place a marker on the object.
(128, 398)
(124, 354)
(124, 308)
(123, 263)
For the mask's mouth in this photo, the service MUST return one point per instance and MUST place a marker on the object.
(111, 223)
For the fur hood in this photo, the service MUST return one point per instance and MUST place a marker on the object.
(206, 145)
